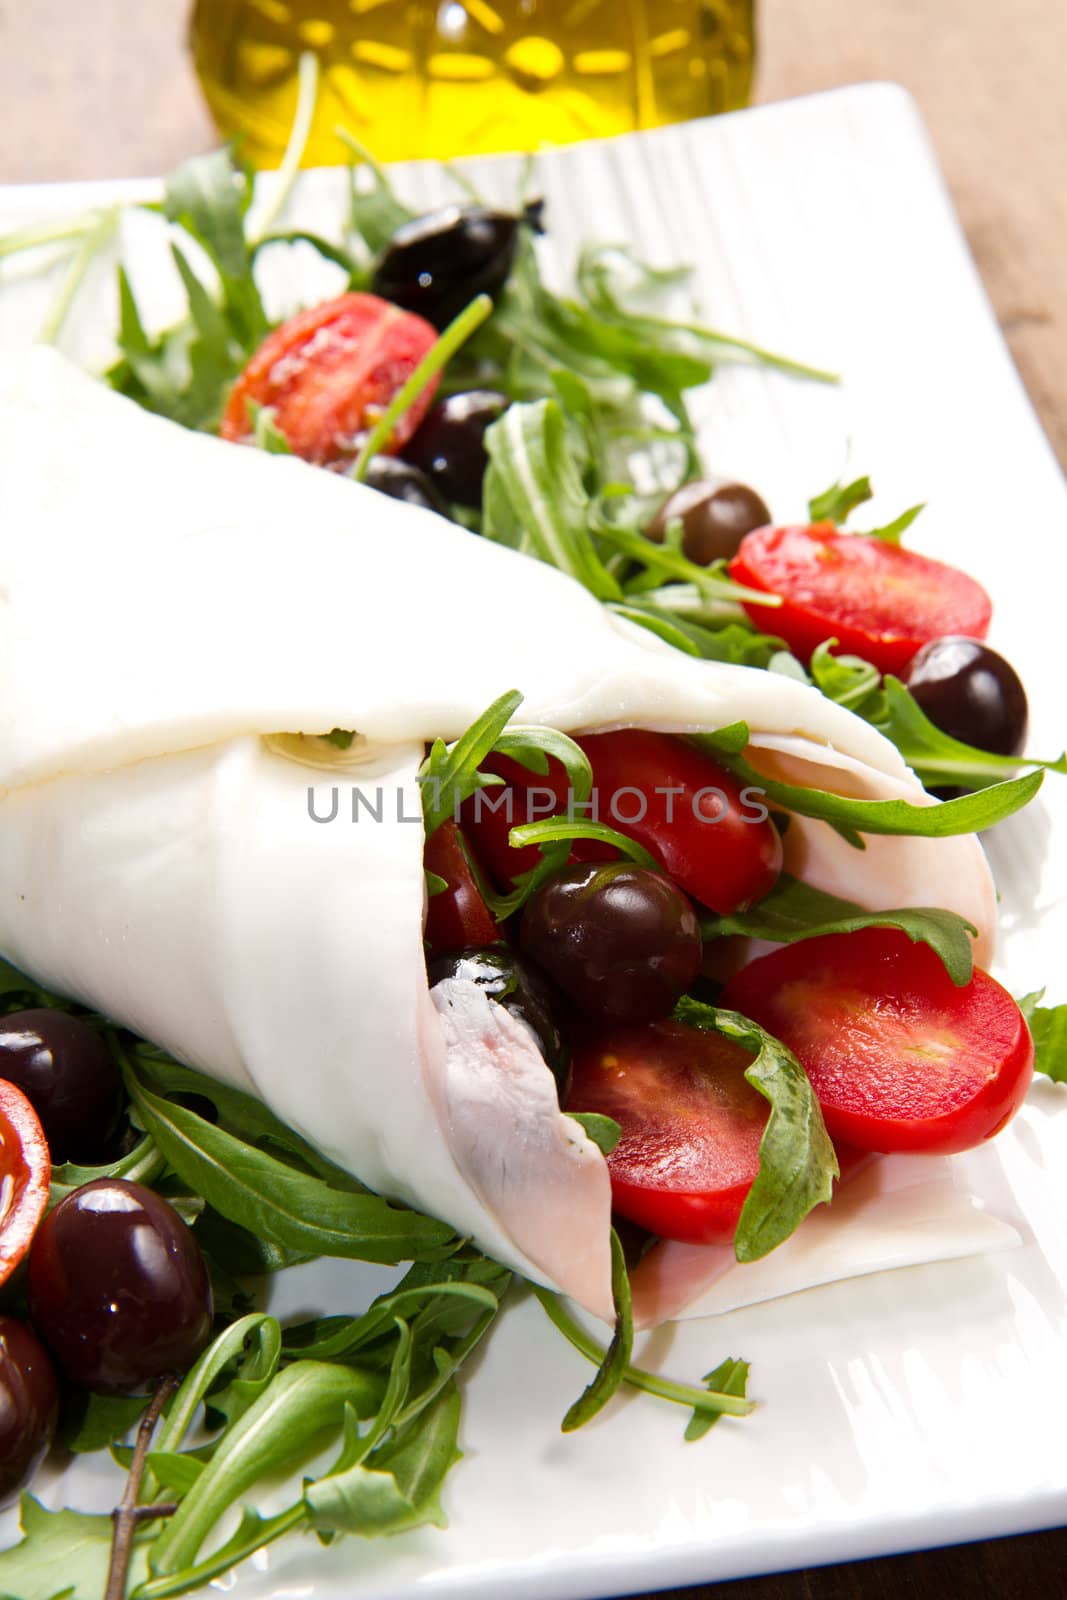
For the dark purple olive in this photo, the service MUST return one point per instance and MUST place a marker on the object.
(118, 1288)
(715, 517)
(520, 989)
(400, 480)
(970, 693)
(449, 445)
(66, 1071)
(438, 263)
(621, 941)
(29, 1403)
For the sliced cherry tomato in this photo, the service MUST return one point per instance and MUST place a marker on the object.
(25, 1173)
(899, 1057)
(708, 833)
(330, 372)
(489, 816)
(457, 918)
(694, 817)
(878, 600)
(691, 1126)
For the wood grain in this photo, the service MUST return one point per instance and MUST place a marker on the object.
(106, 90)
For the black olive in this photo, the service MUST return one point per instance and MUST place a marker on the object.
(66, 1071)
(715, 517)
(520, 988)
(400, 480)
(438, 263)
(449, 445)
(621, 941)
(970, 693)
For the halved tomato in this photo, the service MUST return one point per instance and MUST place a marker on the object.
(691, 1125)
(899, 1057)
(25, 1173)
(457, 918)
(878, 600)
(330, 372)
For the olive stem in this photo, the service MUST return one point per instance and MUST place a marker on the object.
(162, 1508)
(128, 1515)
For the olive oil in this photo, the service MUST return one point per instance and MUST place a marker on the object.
(463, 77)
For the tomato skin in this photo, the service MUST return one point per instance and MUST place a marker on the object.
(457, 918)
(899, 1057)
(878, 600)
(330, 372)
(691, 1125)
(726, 856)
(25, 1173)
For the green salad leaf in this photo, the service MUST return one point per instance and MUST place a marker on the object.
(616, 1359)
(1048, 1024)
(852, 818)
(936, 757)
(798, 1163)
(837, 503)
(292, 1209)
(63, 1555)
(794, 910)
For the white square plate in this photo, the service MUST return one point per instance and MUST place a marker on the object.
(912, 1408)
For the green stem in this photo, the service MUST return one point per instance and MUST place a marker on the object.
(757, 352)
(35, 236)
(439, 354)
(306, 99)
(662, 558)
(708, 1400)
(98, 236)
(226, 1559)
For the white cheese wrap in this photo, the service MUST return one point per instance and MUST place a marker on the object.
(167, 602)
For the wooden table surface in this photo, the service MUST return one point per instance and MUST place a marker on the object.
(104, 90)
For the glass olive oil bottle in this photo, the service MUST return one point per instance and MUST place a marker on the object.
(462, 77)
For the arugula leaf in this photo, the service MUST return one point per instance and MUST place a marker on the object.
(730, 1377)
(91, 1422)
(711, 1401)
(143, 1164)
(553, 829)
(399, 1485)
(1048, 1024)
(794, 910)
(612, 1369)
(289, 1208)
(848, 680)
(894, 531)
(295, 1408)
(63, 1555)
(967, 814)
(936, 757)
(247, 1354)
(450, 775)
(536, 497)
(798, 1163)
(209, 196)
(604, 1131)
(837, 503)
(733, 642)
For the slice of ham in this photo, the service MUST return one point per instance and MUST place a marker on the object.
(174, 614)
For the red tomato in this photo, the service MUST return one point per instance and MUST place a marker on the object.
(330, 372)
(878, 600)
(25, 1173)
(711, 835)
(457, 918)
(900, 1058)
(691, 1126)
(489, 816)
